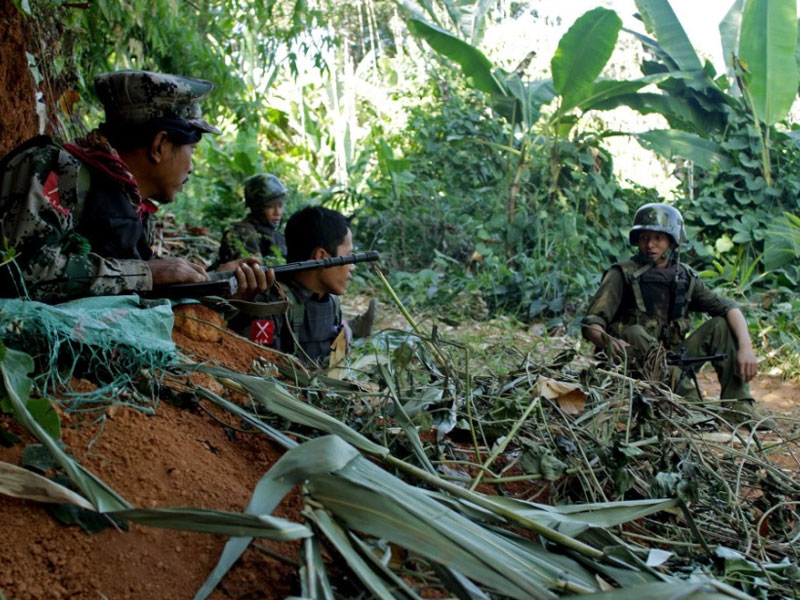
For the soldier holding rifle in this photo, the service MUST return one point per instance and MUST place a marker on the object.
(645, 302)
(78, 217)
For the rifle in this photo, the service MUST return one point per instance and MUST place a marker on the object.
(687, 366)
(224, 284)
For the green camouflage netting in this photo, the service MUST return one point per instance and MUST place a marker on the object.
(111, 340)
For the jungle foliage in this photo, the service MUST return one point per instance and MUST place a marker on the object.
(485, 189)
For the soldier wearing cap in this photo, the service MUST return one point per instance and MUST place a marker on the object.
(78, 216)
(259, 234)
(644, 303)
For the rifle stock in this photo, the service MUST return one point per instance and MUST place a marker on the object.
(222, 283)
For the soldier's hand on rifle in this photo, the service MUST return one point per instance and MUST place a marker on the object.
(175, 270)
(746, 364)
(252, 279)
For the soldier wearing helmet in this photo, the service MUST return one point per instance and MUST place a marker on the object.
(79, 215)
(259, 234)
(645, 302)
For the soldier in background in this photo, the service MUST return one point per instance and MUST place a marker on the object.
(259, 234)
(77, 218)
(644, 304)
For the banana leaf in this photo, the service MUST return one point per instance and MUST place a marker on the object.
(660, 21)
(476, 67)
(767, 47)
(582, 53)
(729, 30)
(673, 142)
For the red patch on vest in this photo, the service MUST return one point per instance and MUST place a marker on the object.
(262, 331)
(50, 191)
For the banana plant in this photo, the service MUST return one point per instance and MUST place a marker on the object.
(580, 58)
(767, 67)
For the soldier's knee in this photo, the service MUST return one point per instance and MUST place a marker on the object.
(634, 333)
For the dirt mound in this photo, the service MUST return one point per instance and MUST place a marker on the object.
(176, 457)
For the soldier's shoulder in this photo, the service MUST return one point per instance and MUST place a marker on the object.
(244, 226)
(41, 153)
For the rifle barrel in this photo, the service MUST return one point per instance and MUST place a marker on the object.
(690, 360)
(223, 284)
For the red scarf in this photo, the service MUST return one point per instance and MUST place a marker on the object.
(95, 151)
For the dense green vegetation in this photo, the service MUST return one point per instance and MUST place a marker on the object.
(489, 191)
(485, 189)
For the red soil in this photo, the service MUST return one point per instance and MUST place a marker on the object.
(177, 457)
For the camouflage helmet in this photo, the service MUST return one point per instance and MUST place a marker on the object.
(135, 97)
(658, 217)
(262, 189)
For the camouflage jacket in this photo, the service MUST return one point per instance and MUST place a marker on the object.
(251, 238)
(71, 230)
(615, 305)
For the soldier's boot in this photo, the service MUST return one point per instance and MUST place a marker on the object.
(361, 326)
(746, 411)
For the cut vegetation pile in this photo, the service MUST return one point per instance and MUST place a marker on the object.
(420, 475)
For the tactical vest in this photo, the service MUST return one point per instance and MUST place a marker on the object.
(657, 303)
(315, 340)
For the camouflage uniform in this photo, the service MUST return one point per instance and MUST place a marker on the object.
(72, 214)
(617, 309)
(254, 236)
(251, 238)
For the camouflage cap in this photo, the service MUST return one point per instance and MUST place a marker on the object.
(135, 97)
(261, 189)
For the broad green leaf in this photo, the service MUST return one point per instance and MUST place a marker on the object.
(680, 113)
(366, 550)
(606, 89)
(338, 537)
(14, 368)
(531, 97)
(575, 519)
(277, 399)
(660, 21)
(43, 411)
(672, 142)
(387, 507)
(406, 523)
(217, 522)
(249, 418)
(21, 483)
(322, 455)
(582, 53)
(729, 29)
(664, 591)
(476, 67)
(767, 47)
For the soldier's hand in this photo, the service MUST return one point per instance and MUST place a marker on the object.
(746, 364)
(618, 348)
(252, 279)
(175, 270)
